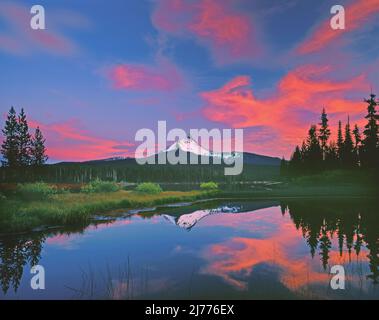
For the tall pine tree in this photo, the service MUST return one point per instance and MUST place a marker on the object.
(324, 133)
(38, 150)
(357, 143)
(370, 140)
(348, 147)
(313, 157)
(340, 141)
(24, 140)
(9, 147)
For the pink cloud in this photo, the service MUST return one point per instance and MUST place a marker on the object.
(229, 33)
(304, 90)
(67, 141)
(21, 39)
(357, 14)
(163, 77)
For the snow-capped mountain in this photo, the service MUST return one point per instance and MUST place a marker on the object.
(189, 145)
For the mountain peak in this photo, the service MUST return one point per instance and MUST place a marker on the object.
(189, 145)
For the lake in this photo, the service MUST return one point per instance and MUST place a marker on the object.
(277, 249)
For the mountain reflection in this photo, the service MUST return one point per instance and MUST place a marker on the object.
(294, 241)
(189, 220)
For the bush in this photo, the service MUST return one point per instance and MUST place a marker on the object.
(100, 186)
(209, 186)
(36, 191)
(149, 187)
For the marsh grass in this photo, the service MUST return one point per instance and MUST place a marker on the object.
(35, 191)
(121, 283)
(17, 214)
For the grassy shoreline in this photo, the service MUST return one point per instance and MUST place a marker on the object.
(18, 215)
(64, 209)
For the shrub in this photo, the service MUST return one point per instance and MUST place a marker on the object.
(36, 191)
(149, 187)
(100, 186)
(209, 185)
(87, 188)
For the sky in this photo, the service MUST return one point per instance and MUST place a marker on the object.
(102, 70)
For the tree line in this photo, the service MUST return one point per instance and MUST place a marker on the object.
(20, 148)
(24, 156)
(352, 149)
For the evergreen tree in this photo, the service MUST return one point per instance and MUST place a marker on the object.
(303, 151)
(357, 143)
(38, 150)
(9, 147)
(324, 133)
(340, 141)
(348, 147)
(295, 162)
(24, 140)
(313, 156)
(332, 156)
(370, 140)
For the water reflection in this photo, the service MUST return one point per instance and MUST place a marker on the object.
(244, 249)
(15, 253)
(355, 225)
(344, 233)
(25, 250)
(188, 221)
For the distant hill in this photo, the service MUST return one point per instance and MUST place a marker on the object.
(256, 168)
(189, 146)
(260, 160)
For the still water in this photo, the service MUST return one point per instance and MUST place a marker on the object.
(210, 250)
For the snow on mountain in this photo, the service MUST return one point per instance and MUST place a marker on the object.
(190, 145)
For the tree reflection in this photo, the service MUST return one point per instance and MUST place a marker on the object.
(355, 224)
(15, 254)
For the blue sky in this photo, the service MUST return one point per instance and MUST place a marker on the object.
(104, 69)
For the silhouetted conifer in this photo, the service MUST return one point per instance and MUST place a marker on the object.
(324, 133)
(370, 141)
(9, 147)
(38, 150)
